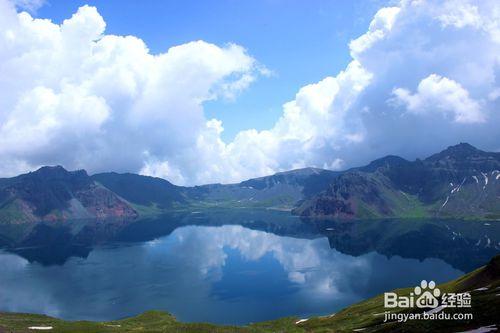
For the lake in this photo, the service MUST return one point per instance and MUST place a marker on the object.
(235, 268)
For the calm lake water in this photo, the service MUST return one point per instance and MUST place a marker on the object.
(262, 267)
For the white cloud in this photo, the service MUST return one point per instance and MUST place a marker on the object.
(162, 169)
(460, 15)
(464, 13)
(494, 94)
(436, 93)
(71, 94)
(381, 24)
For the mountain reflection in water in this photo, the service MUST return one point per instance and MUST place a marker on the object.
(234, 268)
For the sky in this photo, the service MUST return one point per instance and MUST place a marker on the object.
(221, 91)
(280, 34)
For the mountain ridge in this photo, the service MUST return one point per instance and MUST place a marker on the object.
(53, 193)
(461, 181)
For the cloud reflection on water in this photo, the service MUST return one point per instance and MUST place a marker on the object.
(227, 274)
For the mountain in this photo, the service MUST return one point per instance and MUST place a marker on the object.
(281, 190)
(461, 181)
(310, 180)
(146, 194)
(52, 193)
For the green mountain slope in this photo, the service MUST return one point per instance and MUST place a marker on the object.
(281, 190)
(363, 195)
(460, 182)
(150, 192)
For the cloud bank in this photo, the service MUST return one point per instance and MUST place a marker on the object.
(423, 76)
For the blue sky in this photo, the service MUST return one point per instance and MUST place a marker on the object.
(149, 86)
(300, 41)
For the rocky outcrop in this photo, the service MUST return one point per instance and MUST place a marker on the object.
(461, 181)
(53, 193)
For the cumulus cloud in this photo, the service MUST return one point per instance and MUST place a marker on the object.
(439, 62)
(73, 95)
(436, 93)
(380, 25)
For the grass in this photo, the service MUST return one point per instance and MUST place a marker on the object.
(147, 211)
(151, 321)
(366, 315)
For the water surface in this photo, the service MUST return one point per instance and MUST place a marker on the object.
(229, 273)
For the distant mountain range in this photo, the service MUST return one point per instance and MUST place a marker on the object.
(459, 182)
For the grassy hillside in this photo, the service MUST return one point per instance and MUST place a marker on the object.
(366, 316)
(142, 190)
